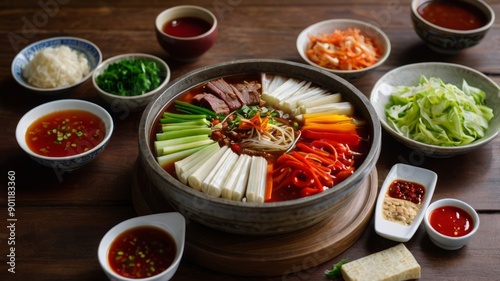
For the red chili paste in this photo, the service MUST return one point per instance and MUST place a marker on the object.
(406, 190)
(452, 14)
(451, 221)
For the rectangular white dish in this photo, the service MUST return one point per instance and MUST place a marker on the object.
(394, 230)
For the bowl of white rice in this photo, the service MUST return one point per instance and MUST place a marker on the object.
(55, 65)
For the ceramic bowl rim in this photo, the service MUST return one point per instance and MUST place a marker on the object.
(20, 54)
(68, 104)
(490, 15)
(103, 65)
(188, 8)
(372, 27)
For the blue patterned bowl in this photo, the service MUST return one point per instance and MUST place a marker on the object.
(67, 163)
(450, 41)
(89, 49)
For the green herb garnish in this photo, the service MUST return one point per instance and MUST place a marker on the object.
(335, 271)
(130, 77)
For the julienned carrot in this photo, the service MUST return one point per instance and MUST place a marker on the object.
(269, 182)
(344, 50)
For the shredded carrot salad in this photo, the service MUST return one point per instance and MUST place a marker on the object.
(343, 50)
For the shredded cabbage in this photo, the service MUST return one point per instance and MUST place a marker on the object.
(438, 113)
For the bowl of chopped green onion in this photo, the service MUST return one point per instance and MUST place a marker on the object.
(438, 109)
(128, 82)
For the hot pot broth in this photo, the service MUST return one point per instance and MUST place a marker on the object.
(292, 139)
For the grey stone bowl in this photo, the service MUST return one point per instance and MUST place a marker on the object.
(254, 218)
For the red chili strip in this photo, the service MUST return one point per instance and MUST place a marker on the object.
(351, 140)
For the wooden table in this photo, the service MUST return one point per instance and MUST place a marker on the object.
(61, 219)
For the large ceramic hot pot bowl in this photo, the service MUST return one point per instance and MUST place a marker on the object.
(256, 218)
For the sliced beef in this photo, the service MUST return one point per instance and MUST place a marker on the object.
(211, 102)
(250, 92)
(224, 91)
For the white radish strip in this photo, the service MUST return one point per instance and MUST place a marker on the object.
(270, 82)
(345, 108)
(289, 85)
(324, 100)
(285, 92)
(214, 171)
(256, 187)
(194, 160)
(305, 87)
(235, 185)
(311, 96)
(185, 174)
(215, 185)
(197, 177)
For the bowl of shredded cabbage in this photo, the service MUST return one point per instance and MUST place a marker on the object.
(55, 65)
(438, 109)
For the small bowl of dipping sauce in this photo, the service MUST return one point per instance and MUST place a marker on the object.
(65, 134)
(451, 223)
(186, 32)
(448, 27)
(143, 248)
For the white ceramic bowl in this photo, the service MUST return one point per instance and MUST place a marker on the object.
(328, 27)
(173, 223)
(450, 73)
(89, 49)
(446, 40)
(130, 103)
(67, 163)
(449, 242)
(394, 230)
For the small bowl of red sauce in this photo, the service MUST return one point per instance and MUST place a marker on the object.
(450, 26)
(186, 32)
(143, 248)
(65, 134)
(451, 223)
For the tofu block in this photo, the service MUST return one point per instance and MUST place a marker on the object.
(393, 264)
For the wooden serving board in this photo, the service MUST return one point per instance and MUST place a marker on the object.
(268, 255)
